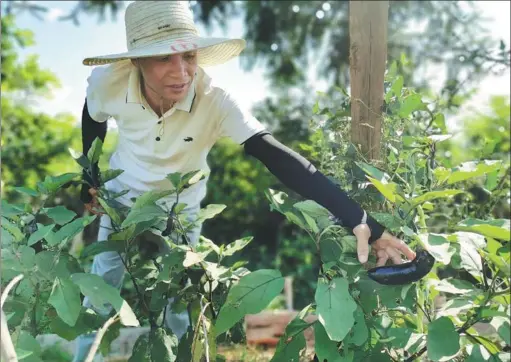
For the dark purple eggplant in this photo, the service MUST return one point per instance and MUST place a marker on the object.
(405, 273)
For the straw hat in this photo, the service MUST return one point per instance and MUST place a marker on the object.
(158, 28)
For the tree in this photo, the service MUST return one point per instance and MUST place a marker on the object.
(31, 141)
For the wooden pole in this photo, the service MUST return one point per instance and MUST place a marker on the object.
(368, 58)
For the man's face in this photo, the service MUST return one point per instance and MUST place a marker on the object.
(168, 76)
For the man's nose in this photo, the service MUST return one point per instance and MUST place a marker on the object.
(176, 64)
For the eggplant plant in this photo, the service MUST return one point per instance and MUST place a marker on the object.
(359, 313)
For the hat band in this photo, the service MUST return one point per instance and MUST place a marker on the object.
(161, 38)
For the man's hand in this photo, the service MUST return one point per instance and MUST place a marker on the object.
(387, 247)
(93, 206)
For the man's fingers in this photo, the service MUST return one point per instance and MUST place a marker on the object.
(402, 247)
(362, 233)
(382, 258)
(394, 255)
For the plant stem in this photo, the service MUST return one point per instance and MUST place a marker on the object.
(33, 322)
(183, 233)
(137, 289)
(99, 336)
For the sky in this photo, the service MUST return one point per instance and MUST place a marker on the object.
(61, 47)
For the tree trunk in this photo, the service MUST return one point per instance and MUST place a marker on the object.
(368, 58)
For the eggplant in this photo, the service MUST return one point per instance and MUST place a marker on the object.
(405, 273)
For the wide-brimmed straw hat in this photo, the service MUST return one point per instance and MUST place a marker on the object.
(159, 28)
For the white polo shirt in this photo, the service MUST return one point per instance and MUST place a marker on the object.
(190, 129)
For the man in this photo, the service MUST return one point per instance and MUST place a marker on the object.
(170, 113)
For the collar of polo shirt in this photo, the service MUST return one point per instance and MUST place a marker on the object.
(134, 92)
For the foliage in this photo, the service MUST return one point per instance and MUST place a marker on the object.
(354, 317)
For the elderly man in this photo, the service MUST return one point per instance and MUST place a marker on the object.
(170, 113)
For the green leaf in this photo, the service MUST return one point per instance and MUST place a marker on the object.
(492, 180)
(470, 243)
(175, 179)
(12, 229)
(452, 286)
(438, 246)
(477, 353)
(443, 341)
(330, 250)
(293, 340)
(432, 195)
(359, 333)
(250, 295)
(502, 326)
(145, 213)
(326, 349)
(439, 121)
(110, 174)
(149, 198)
(455, 307)
(65, 297)
(100, 293)
(399, 337)
(25, 342)
(236, 246)
(95, 151)
(312, 208)
(22, 354)
(498, 228)
(27, 257)
(141, 349)
(335, 307)
(466, 171)
(411, 104)
(52, 183)
(163, 346)
(191, 178)
(111, 212)
(69, 231)
(210, 211)
(60, 214)
(41, 233)
(10, 210)
(102, 246)
(27, 190)
(80, 158)
(373, 172)
(389, 190)
(311, 223)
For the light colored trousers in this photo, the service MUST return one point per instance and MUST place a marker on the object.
(109, 266)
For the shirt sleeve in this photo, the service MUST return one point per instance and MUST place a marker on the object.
(237, 122)
(95, 95)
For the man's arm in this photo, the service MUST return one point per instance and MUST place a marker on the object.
(90, 131)
(301, 176)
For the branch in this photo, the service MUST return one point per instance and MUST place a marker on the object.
(99, 336)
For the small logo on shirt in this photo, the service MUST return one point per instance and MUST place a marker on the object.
(188, 139)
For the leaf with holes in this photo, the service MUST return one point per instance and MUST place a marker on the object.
(335, 307)
(250, 295)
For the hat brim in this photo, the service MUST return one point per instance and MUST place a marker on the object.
(210, 51)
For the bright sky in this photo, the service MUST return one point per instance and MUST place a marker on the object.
(61, 47)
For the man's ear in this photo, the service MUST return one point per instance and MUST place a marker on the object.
(134, 62)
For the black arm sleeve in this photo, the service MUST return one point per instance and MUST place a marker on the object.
(90, 131)
(295, 172)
